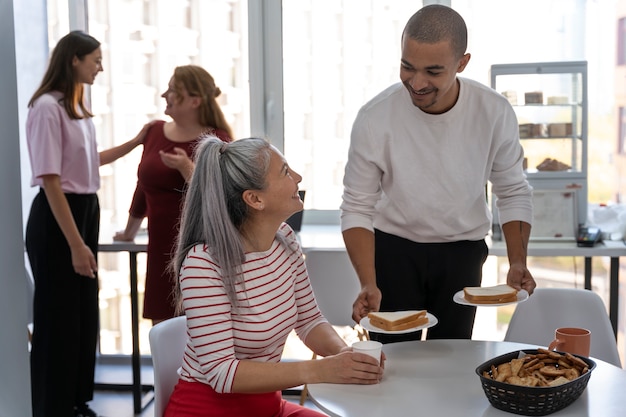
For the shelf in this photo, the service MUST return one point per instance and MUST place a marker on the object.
(551, 137)
(550, 101)
(569, 174)
(546, 105)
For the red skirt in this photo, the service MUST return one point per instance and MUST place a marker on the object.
(195, 399)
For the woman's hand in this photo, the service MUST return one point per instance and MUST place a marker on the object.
(142, 133)
(176, 160)
(350, 367)
(122, 236)
(84, 261)
(179, 160)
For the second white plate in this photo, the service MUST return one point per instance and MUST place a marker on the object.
(365, 323)
(459, 298)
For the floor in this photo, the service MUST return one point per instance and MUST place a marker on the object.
(115, 403)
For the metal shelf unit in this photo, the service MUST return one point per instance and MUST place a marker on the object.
(550, 100)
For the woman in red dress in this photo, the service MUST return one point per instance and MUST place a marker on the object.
(165, 167)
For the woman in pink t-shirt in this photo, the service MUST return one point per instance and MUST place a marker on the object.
(62, 229)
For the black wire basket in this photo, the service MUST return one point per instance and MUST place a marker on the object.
(531, 401)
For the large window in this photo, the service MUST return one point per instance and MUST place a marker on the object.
(339, 54)
(336, 55)
(142, 43)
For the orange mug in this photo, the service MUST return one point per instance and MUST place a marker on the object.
(572, 339)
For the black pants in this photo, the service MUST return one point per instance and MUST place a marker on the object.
(65, 316)
(425, 276)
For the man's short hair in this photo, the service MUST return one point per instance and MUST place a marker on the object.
(436, 23)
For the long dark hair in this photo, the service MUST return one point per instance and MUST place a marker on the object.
(60, 73)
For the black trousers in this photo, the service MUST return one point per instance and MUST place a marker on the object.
(65, 316)
(425, 276)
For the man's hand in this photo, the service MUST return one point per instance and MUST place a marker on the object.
(367, 300)
(520, 278)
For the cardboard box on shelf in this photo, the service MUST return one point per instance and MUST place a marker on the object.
(511, 96)
(559, 129)
(533, 97)
(533, 130)
(558, 100)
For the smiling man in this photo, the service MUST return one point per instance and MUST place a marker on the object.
(414, 212)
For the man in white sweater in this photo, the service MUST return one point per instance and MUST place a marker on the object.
(414, 213)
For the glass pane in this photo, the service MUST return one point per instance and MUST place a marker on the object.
(58, 20)
(549, 110)
(337, 55)
(142, 42)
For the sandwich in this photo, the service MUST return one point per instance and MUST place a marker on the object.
(398, 320)
(497, 294)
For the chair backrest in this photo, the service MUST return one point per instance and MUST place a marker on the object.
(295, 220)
(167, 345)
(334, 283)
(535, 320)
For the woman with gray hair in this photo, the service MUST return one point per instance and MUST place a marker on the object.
(243, 287)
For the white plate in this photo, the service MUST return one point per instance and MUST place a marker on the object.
(459, 298)
(365, 323)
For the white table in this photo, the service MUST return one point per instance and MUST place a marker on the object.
(438, 378)
(329, 236)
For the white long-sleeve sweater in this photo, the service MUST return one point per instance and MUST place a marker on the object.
(423, 177)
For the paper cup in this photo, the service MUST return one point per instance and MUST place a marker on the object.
(369, 347)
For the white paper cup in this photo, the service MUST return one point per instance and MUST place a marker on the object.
(369, 347)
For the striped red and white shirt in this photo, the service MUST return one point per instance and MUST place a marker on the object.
(275, 297)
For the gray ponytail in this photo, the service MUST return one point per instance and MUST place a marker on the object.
(214, 210)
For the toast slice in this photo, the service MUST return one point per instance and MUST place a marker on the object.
(398, 320)
(497, 294)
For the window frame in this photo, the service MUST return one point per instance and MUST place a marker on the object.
(266, 85)
(265, 76)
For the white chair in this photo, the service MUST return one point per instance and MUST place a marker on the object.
(535, 320)
(336, 286)
(167, 345)
(334, 283)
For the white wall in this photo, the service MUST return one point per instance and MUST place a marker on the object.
(24, 53)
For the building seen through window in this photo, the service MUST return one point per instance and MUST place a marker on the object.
(337, 54)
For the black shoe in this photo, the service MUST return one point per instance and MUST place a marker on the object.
(84, 411)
